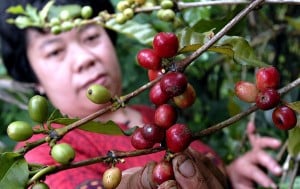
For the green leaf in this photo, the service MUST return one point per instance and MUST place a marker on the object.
(295, 106)
(144, 33)
(294, 22)
(14, 171)
(233, 46)
(15, 10)
(109, 128)
(32, 13)
(45, 10)
(293, 141)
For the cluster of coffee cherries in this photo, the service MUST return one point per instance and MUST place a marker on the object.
(65, 21)
(266, 97)
(172, 91)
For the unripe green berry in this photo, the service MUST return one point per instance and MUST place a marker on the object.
(122, 5)
(40, 185)
(63, 153)
(54, 21)
(168, 15)
(128, 13)
(166, 4)
(120, 18)
(86, 12)
(98, 94)
(112, 178)
(67, 26)
(56, 30)
(77, 22)
(38, 108)
(64, 15)
(19, 131)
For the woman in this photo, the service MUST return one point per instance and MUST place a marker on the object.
(63, 66)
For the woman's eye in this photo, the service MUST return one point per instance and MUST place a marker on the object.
(54, 53)
(92, 38)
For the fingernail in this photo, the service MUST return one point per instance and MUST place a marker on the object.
(186, 168)
(277, 170)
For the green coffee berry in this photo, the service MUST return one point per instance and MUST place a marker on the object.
(166, 4)
(98, 94)
(63, 153)
(38, 108)
(86, 12)
(128, 13)
(19, 131)
(64, 15)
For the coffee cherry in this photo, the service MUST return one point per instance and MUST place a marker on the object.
(157, 96)
(152, 132)
(120, 18)
(173, 83)
(153, 74)
(165, 44)
(63, 153)
(19, 131)
(128, 13)
(111, 178)
(246, 91)
(98, 94)
(65, 15)
(267, 77)
(178, 137)
(165, 116)
(40, 185)
(163, 171)
(148, 58)
(187, 98)
(166, 15)
(38, 108)
(284, 117)
(139, 142)
(267, 99)
(166, 4)
(86, 12)
(122, 5)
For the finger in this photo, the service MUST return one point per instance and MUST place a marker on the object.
(251, 132)
(170, 184)
(260, 177)
(141, 178)
(267, 161)
(188, 174)
(267, 142)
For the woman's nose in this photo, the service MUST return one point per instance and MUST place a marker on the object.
(83, 58)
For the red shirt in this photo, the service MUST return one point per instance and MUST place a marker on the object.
(88, 144)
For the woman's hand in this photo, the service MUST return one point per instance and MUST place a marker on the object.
(191, 170)
(246, 171)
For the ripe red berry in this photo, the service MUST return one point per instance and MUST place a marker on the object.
(173, 83)
(139, 142)
(166, 44)
(187, 98)
(267, 77)
(162, 172)
(152, 132)
(153, 74)
(157, 96)
(148, 58)
(246, 91)
(178, 137)
(267, 99)
(284, 117)
(165, 116)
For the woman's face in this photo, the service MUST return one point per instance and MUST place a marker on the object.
(68, 63)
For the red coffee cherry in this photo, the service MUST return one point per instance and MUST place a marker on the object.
(284, 117)
(267, 99)
(152, 132)
(157, 96)
(267, 77)
(165, 44)
(148, 58)
(173, 83)
(163, 171)
(178, 137)
(246, 91)
(153, 74)
(187, 98)
(165, 116)
(139, 142)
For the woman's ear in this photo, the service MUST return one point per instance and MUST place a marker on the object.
(40, 89)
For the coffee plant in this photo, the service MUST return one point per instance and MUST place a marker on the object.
(185, 62)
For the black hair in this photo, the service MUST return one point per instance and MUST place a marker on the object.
(13, 40)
